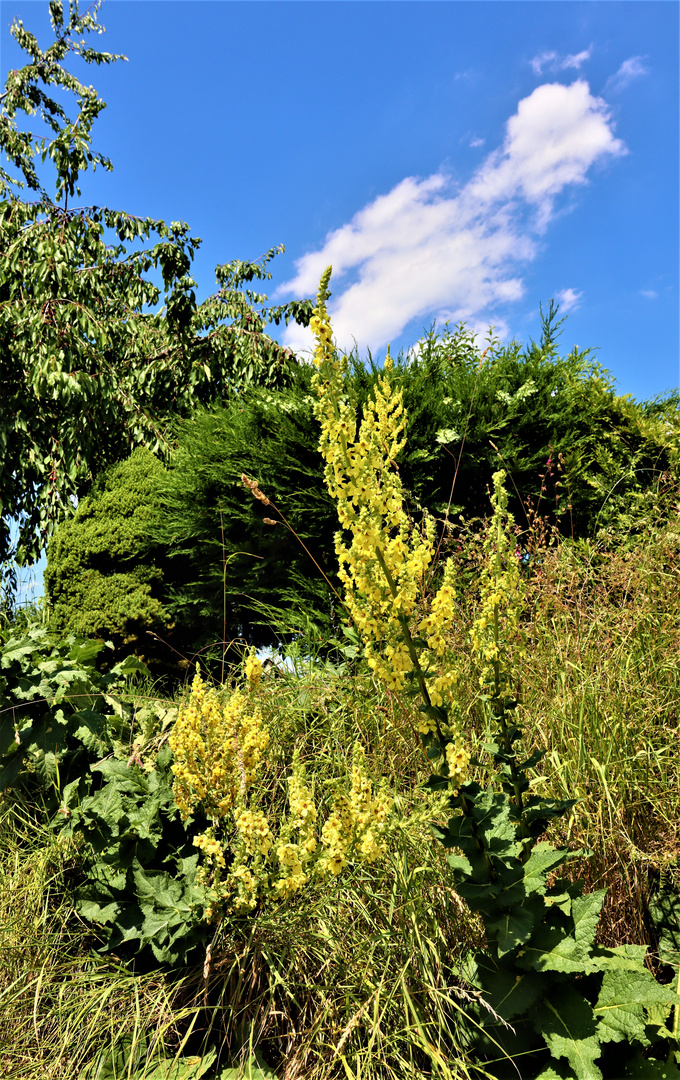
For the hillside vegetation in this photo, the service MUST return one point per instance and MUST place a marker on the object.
(345, 741)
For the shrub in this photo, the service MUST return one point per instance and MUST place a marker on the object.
(105, 570)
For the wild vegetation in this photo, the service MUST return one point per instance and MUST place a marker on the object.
(432, 830)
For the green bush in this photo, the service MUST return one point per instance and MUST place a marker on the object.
(231, 574)
(105, 573)
(187, 554)
(582, 456)
(569, 444)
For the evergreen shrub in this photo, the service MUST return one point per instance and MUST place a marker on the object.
(105, 574)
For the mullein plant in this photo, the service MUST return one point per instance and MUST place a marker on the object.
(550, 1003)
(219, 747)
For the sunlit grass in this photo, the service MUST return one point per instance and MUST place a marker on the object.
(362, 979)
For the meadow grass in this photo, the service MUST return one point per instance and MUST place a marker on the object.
(364, 978)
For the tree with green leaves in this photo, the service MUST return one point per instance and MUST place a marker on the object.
(90, 367)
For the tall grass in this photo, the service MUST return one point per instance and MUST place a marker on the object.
(349, 981)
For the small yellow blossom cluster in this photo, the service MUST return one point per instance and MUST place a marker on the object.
(217, 748)
(458, 761)
(433, 629)
(253, 669)
(248, 875)
(210, 874)
(497, 624)
(384, 567)
(320, 325)
(262, 866)
(294, 858)
(356, 823)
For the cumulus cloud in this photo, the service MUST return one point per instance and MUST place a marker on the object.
(551, 61)
(430, 249)
(630, 69)
(568, 299)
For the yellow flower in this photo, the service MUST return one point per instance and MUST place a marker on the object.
(385, 567)
(253, 669)
(217, 748)
(458, 760)
(356, 825)
(496, 629)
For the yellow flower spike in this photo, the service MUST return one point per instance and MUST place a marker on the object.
(217, 749)
(496, 629)
(253, 669)
(356, 825)
(383, 569)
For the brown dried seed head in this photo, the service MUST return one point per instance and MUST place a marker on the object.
(269, 521)
(254, 487)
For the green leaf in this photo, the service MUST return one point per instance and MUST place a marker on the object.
(513, 928)
(569, 1029)
(129, 666)
(557, 1070)
(253, 1068)
(586, 914)
(621, 1004)
(160, 891)
(553, 948)
(508, 994)
(641, 1068)
(543, 860)
(10, 770)
(91, 726)
(664, 912)
(96, 913)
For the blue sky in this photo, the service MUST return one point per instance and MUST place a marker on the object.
(463, 160)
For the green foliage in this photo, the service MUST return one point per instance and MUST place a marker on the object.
(520, 409)
(548, 991)
(88, 369)
(140, 864)
(105, 568)
(228, 569)
(531, 405)
(57, 713)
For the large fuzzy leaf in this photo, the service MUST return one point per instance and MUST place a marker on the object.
(507, 993)
(543, 859)
(621, 1004)
(90, 728)
(568, 1026)
(664, 912)
(553, 948)
(513, 928)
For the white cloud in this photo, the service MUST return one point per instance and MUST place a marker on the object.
(650, 294)
(428, 249)
(553, 62)
(630, 69)
(568, 299)
(477, 142)
(540, 61)
(576, 60)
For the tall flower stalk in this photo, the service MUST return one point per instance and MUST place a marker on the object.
(552, 1004)
(384, 564)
